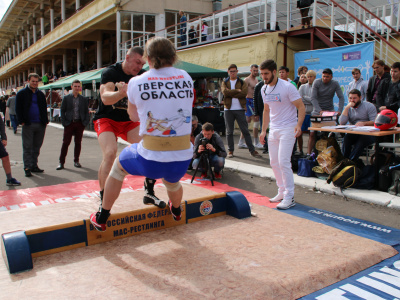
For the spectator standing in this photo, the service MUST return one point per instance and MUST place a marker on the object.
(7, 112)
(183, 27)
(251, 81)
(300, 70)
(259, 109)
(303, 80)
(215, 150)
(45, 79)
(284, 114)
(11, 108)
(284, 75)
(358, 83)
(304, 6)
(322, 93)
(375, 81)
(74, 117)
(192, 35)
(196, 128)
(234, 90)
(359, 113)
(305, 94)
(31, 109)
(204, 31)
(5, 159)
(388, 95)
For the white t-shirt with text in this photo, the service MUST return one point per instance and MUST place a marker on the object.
(164, 100)
(283, 113)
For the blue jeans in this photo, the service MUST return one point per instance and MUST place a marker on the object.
(14, 122)
(354, 144)
(215, 161)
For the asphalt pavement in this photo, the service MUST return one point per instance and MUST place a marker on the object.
(243, 171)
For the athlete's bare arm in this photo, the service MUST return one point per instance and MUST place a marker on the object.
(108, 94)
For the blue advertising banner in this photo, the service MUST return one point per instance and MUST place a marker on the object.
(381, 281)
(341, 60)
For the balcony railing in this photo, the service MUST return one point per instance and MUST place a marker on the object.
(364, 21)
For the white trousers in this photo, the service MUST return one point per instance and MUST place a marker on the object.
(280, 148)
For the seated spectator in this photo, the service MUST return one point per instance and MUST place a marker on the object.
(211, 142)
(357, 113)
(305, 93)
(358, 83)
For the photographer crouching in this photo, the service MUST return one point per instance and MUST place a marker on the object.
(210, 144)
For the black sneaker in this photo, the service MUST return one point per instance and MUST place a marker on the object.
(176, 218)
(153, 200)
(93, 220)
(28, 173)
(37, 170)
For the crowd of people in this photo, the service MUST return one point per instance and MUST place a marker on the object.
(279, 108)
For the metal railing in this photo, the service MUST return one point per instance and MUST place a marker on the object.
(364, 22)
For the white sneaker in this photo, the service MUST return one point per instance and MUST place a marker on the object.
(259, 146)
(242, 146)
(286, 203)
(277, 198)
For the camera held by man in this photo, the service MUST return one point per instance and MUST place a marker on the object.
(209, 145)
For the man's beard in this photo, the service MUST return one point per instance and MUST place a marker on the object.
(272, 79)
(357, 104)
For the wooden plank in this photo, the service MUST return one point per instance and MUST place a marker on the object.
(132, 223)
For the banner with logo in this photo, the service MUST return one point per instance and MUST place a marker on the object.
(341, 60)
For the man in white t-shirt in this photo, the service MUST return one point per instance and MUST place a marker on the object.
(282, 104)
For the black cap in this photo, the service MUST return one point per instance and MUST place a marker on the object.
(327, 71)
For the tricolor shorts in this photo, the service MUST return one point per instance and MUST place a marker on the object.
(120, 129)
(135, 164)
(250, 107)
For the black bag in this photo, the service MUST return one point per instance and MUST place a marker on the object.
(366, 181)
(395, 187)
(385, 179)
(384, 158)
(346, 177)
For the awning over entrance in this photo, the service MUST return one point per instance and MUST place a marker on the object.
(84, 78)
(195, 71)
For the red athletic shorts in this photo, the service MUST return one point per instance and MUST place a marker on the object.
(120, 129)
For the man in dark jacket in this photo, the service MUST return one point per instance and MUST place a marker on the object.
(259, 108)
(211, 142)
(388, 95)
(375, 81)
(31, 112)
(74, 117)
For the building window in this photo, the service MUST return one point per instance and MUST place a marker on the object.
(135, 25)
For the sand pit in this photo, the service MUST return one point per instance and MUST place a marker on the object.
(272, 256)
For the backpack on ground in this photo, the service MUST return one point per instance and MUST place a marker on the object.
(346, 177)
